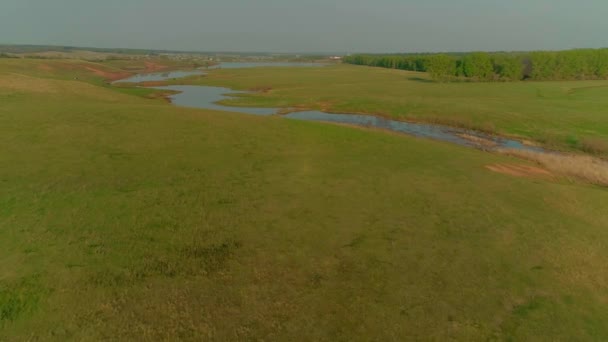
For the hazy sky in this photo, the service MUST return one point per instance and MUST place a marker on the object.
(308, 25)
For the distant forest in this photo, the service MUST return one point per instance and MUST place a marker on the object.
(580, 64)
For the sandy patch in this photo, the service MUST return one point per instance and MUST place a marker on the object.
(477, 140)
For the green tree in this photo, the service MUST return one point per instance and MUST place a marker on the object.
(481, 66)
(543, 65)
(508, 67)
(601, 63)
(478, 65)
(441, 67)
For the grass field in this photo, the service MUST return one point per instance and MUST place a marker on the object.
(125, 218)
(569, 115)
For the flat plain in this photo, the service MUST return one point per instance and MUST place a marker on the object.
(123, 217)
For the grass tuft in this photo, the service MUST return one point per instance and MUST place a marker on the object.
(20, 298)
(189, 261)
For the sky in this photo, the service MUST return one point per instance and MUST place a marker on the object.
(343, 26)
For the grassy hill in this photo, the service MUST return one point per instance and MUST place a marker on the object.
(125, 218)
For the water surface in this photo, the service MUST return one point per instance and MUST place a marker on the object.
(161, 76)
(207, 98)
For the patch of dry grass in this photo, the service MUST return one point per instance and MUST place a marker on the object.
(579, 167)
(594, 145)
(464, 123)
(477, 140)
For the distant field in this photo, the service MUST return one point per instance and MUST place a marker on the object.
(91, 72)
(125, 218)
(568, 115)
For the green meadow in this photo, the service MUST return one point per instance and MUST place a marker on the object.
(123, 217)
(569, 115)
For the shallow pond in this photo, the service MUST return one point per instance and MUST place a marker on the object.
(160, 76)
(206, 97)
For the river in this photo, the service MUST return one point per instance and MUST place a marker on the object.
(207, 97)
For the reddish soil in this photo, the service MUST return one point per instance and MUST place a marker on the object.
(110, 76)
(520, 170)
(45, 67)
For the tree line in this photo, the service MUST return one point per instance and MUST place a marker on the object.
(580, 64)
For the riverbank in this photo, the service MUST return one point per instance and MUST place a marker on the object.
(593, 170)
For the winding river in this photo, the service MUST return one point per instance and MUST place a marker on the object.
(207, 97)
